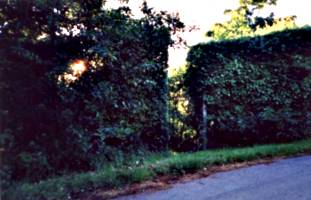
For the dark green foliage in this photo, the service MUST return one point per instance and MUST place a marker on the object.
(256, 89)
(51, 123)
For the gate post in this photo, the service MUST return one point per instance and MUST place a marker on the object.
(1, 168)
(203, 124)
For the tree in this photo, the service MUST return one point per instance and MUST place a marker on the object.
(243, 23)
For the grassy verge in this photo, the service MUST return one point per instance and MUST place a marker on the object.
(173, 163)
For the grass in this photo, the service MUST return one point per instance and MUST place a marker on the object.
(67, 187)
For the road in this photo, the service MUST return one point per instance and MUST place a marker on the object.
(288, 179)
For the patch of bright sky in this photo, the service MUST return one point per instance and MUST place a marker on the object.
(205, 13)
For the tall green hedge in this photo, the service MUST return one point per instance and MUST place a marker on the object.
(255, 89)
(49, 124)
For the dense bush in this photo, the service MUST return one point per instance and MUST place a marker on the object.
(55, 119)
(256, 89)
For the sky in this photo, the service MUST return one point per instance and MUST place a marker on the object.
(205, 13)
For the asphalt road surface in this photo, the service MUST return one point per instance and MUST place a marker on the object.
(288, 179)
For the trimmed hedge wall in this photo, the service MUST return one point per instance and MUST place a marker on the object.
(255, 90)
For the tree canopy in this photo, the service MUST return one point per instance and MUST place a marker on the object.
(243, 21)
